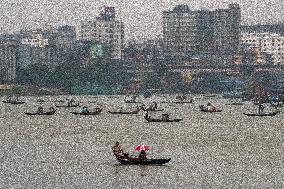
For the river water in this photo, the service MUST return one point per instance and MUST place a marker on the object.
(208, 150)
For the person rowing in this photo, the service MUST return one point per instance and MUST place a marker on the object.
(211, 107)
(142, 156)
(40, 110)
(119, 152)
(165, 117)
(260, 109)
(84, 110)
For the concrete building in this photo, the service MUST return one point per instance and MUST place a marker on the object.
(270, 43)
(213, 35)
(148, 51)
(107, 30)
(50, 46)
(8, 59)
(180, 31)
(277, 28)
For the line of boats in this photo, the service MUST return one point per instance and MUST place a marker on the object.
(152, 108)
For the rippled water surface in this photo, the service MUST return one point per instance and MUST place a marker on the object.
(208, 150)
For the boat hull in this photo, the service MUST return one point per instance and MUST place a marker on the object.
(210, 111)
(90, 113)
(64, 106)
(261, 115)
(122, 112)
(13, 102)
(144, 162)
(45, 113)
(160, 120)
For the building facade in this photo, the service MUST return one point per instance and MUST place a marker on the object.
(49, 46)
(270, 43)
(8, 59)
(277, 28)
(107, 30)
(214, 35)
(148, 51)
(180, 31)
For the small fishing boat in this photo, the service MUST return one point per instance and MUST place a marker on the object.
(183, 102)
(179, 102)
(165, 118)
(122, 112)
(149, 119)
(97, 112)
(151, 108)
(261, 114)
(13, 102)
(67, 106)
(210, 95)
(205, 109)
(40, 100)
(130, 99)
(144, 162)
(235, 104)
(44, 113)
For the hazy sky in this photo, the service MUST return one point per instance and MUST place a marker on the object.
(142, 18)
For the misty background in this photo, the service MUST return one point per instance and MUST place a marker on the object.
(142, 19)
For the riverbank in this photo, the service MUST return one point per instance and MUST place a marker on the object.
(25, 90)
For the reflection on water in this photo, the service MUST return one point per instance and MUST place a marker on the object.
(222, 150)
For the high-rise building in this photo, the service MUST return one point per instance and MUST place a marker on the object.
(179, 31)
(8, 59)
(105, 29)
(214, 34)
(227, 29)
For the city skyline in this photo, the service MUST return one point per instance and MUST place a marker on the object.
(143, 19)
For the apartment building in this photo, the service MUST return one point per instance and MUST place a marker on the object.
(107, 30)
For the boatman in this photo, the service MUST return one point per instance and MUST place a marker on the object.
(118, 151)
(260, 108)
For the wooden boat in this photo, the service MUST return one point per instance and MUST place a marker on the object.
(13, 102)
(66, 106)
(149, 109)
(153, 110)
(122, 112)
(59, 101)
(40, 100)
(89, 113)
(204, 109)
(210, 96)
(179, 102)
(144, 162)
(149, 119)
(44, 113)
(261, 114)
(131, 99)
(182, 102)
(235, 103)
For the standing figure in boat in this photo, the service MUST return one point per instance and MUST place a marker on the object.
(40, 110)
(71, 102)
(118, 152)
(211, 107)
(260, 108)
(67, 102)
(9, 98)
(84, 110)
(165, 117)
(142, 156)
